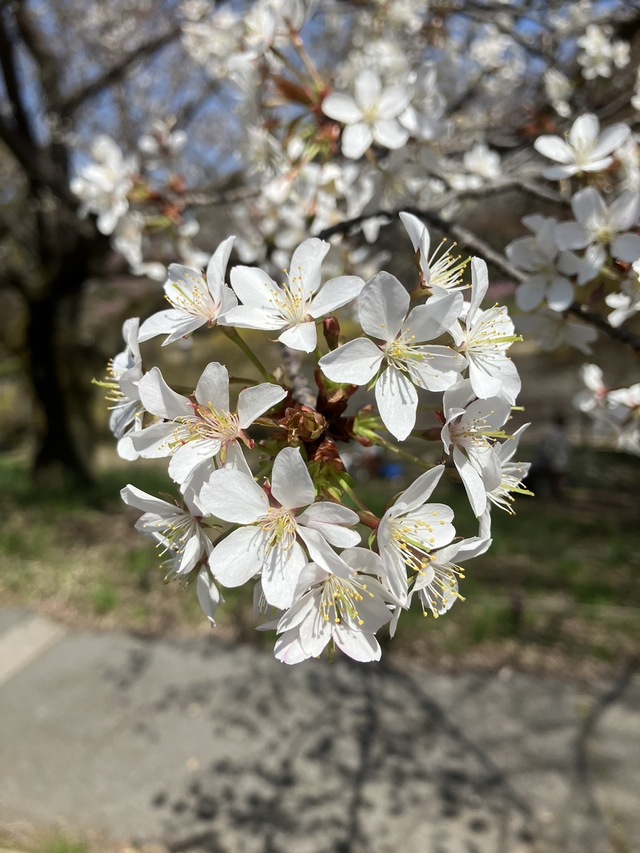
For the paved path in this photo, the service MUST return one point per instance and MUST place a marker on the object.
(212, 749)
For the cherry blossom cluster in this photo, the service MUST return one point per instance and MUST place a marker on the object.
(615, 413)
(592, 260)
(264, 495)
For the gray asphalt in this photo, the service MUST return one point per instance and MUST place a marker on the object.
(208, 748)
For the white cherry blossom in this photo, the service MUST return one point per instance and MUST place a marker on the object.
(626, 303)
(196, 300)
(602, 228)
(124, 372)
(194, 431)
(410, 530)
(484, 338)
(471, 428)
(440, 269)
(552, 330)
(585, 149)
(540, 256)
(294, 307)
(401, 361)
(103, 185)
(176, 530)
(267, 542)
(340, 600)
(371, 115)
(436, 585)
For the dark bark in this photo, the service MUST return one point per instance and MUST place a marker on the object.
(57, 366)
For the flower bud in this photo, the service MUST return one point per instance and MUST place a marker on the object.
(303, 424)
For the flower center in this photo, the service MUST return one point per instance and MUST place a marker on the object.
(207, 424)
(340, 600)
(289, 300)
(192, 296)
(280, 526)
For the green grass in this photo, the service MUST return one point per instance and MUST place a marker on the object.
(560, 584)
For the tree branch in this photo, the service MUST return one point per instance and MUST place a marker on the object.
(10, 74)
(69, 104)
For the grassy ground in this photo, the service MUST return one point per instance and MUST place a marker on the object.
(559, 592)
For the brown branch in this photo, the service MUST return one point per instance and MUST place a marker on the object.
(12, 85)
(113, 75)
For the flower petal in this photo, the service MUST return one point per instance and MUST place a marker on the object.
(383, 306)
(159, 399)
(335, 293)
(306, 264)
(238, 558)
(213, 387)
(291, 483)
(256, 400)
(234, 496)
(397, 401)
(217, 268)
(300, 336)
(354, 362)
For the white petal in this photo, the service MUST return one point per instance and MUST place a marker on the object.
(623, 212)
(560, 294)
(355, 362)
(238, 558)
(133, 496)
(234, 496)
(610, 139)
(554, 148)
(588, 207)
(626, 247)
(356, 139)
(421, 489)
(153, 442)
(306, 264)
(325, 512)
(480, 285)
(213, 387)
(301, 336)
(253, 317)
(341, 107)
(217, 269)
(418, 233)
(397, 401)
(159, 399)
(336, 293)
(190, 456)
(472, 482)
(288, 648)
(390, 134)
(169, 322)
(256, 400)
(358, 646)
(208, 595)
(531, 293)
(383, 306)
(435, 317)
(584, 131)
(570, 235)
(367, 88)
(253, 286)
(393, 101)
(291, 483)
(280, 572)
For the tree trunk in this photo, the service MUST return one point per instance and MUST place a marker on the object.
(63, 446)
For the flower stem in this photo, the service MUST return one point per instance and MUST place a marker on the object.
(403, 453)
(233, 335)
